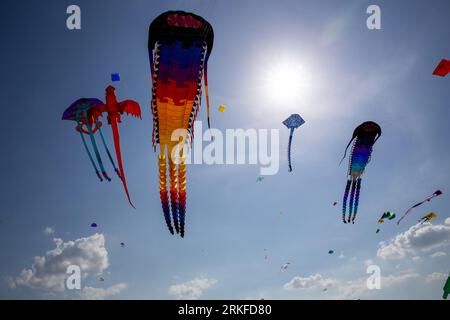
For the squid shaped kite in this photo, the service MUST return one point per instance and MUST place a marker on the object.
(179, 45)
(364, 137)
(86, 111)
(293, 122)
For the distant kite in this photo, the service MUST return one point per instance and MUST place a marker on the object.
(330, 251)
(442, 69)
(386, 215)
(293, 122)
(115, 77)
(364, 137)
(285, 266)
(259, 179)
(222, 108)
(93, 225)
(447, 287)
(428, 217)
(435, 194)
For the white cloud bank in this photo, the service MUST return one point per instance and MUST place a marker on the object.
(419, 238)
(48, 272)
(310, 282)
(192, 289)
(91, 293)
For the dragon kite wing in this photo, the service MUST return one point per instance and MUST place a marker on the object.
(130, 107)
(364, 137)
(179, 45)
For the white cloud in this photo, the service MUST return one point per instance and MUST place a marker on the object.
(416, 259)
(341, 256)
(356, 288)
(91, 293)
(311, 282)
(368, 262)
(438, 254)
(436, 276)
(192, 289)
(418, 238)
(447, 221)
(49, 231)
(48, 272)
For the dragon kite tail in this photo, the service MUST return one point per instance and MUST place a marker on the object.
(344, 201)
(355, 207)
(174, 193)
(182, 193)
(163, 192)
(115, 130)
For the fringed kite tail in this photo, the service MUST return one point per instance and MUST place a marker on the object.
(205, 74)
(90, 157)
(344, 201)
(107, 149)
(289, 150)
(97, 153)
(352, 198)
(355, 209)
(115, 130)
(163, 192)
(182, 193)
(174, 193)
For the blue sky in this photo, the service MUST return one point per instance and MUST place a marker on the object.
(351, 74)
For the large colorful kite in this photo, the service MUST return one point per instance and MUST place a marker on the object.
(364, 137)
(179, 45)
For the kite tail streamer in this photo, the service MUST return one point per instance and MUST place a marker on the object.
(182, 193)
(352, 198)
(206, 92)
(107, 149)
(90, 156)
(358, 188)
(289, 149)
(94, 145)
(162, 170)
(115, 130)
(174, 193)
(344, 202)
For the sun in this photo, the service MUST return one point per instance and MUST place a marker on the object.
(286, 81)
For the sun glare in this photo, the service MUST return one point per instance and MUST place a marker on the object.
(286, 82)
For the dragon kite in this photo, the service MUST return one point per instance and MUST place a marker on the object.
(86, 112)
